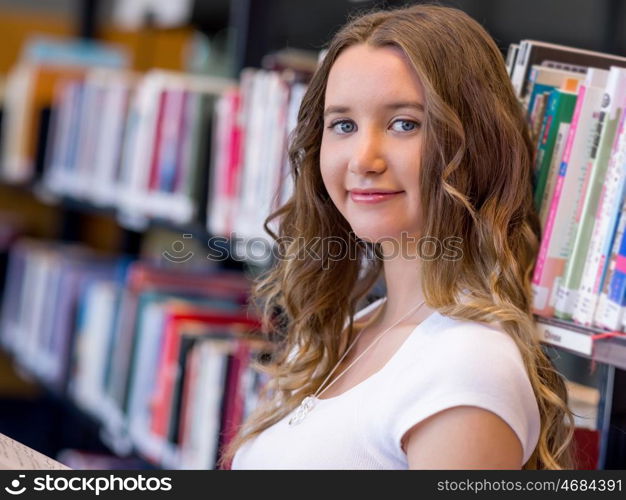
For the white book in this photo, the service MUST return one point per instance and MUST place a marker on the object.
(295, 100)
(143, 375)
(200, 449)
(244, 120)
(276, 122)
(89, 126)
(610, 314)
(602, 136)
(59, 136)
(33, 303)
(140, 144)
(255, 155)
(560, 56)
(87, 382)
(511, 55)
(108, 151)
(558, 235)
(541, 76)
(601, 241)
(14, 167)
(553, 174)
(138, 201)
(224, 120)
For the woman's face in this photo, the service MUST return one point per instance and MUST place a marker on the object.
(372, 142)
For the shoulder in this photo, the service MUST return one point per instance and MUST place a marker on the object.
(457, 348)
(458, 363)
(463, 350)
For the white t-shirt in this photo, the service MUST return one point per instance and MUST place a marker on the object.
(443, 363)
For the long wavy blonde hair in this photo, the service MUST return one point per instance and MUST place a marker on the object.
(476, 169)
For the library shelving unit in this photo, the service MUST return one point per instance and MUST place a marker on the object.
(593, 343)
(253, 37)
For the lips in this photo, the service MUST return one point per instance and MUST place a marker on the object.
(373, 196)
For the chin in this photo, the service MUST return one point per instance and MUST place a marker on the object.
(375, 235)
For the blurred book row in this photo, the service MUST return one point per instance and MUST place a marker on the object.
(161, 358)
(575, 102)
(165, 145)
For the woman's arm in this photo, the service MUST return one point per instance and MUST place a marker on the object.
(463, 437)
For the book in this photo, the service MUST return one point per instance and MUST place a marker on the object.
(216, 323)
(544, 79)
(29, 91)
(511, 56)
(553, 173)
(612, 302)
(601, 144)
(558, 234)
(533, 52)
(560, 110)
(264, 108)
(17, 456)
(162, 134)
(604, 231)
(225, 164)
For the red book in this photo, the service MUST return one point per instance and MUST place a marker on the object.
(217, 320)
(191, 367)
(233, 405)
(227, 284)
(586, 449)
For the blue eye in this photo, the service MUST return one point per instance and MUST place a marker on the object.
(342, 126)
(407, 125)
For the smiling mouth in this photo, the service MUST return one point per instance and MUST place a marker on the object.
(373, 197)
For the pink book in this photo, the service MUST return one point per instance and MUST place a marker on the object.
(547, 269)
(560, 228)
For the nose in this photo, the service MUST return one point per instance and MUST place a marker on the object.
(367, 156)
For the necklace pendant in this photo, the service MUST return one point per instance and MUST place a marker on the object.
(303, 410)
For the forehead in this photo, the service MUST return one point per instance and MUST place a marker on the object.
(374, 73)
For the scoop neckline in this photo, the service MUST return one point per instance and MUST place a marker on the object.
(390, 361)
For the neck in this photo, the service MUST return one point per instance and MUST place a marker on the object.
(403, 280)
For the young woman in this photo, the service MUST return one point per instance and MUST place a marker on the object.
(412, 164)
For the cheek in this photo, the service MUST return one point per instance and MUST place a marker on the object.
(329, 169)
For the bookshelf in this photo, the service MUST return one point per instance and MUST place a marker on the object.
(252, 21)
(563, 334)
(579, 340)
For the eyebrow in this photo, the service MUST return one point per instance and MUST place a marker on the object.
(394, 105)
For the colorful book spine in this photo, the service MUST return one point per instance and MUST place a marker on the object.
(560, 109)
(602, 138)
(557, 239)
(537, 115)
(612, 302)
(601, 241)
(553, 173)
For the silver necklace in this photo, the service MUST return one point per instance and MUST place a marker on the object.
(309, 402)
